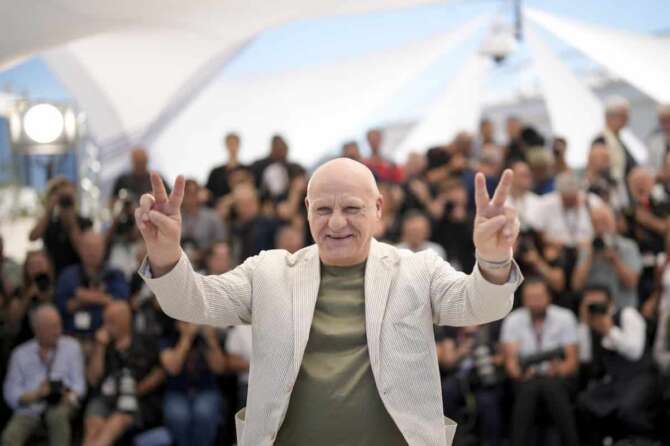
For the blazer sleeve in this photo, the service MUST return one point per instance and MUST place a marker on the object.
(221, 300)
(460, 299)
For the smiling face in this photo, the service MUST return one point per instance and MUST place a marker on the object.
(343, 209)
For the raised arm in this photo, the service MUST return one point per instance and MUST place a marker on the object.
(182, 293)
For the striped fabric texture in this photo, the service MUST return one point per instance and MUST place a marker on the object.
(405, 294)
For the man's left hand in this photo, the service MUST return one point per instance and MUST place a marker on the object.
(496, 225)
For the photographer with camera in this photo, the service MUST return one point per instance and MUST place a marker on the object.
(540, 346)
(126, 374)
(122, 236)
(193, 359)
(609, 259)
(83, 290)
(621, 385)
(471, 362)
(44, 383)
(61, 225)
(38, 288)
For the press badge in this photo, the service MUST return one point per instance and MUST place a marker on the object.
(82, 320)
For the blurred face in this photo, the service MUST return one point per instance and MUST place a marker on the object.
(48, 328)
(415, 231)
(37, 263)
(522, 180)
(616, 120)
(487, 130)
(290, 239)
(343, 210)
(570, 200)
(246, 203)
(641, 183)
(599, 159)
(350, 150)
(603, 221)
(375, 140)
(218, 261)
(116, 319)
(536, 298)
(233, 146)
(92, 250)
(416, 163)
(139, 160)
(191, 190)
(513, 128)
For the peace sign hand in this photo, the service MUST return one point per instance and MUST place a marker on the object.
(496, 225)
(158, 218)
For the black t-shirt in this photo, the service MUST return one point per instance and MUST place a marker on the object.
(58, 244)
(217, 182)
(136, 185)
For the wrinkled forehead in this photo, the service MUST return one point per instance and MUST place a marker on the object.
(341, 190)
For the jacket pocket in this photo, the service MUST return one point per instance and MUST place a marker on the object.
(449, 430)
(239, 424)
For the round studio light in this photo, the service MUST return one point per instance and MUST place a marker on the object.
(43, 123)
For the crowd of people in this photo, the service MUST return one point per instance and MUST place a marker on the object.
(88, 357)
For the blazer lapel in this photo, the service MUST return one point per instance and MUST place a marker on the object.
(305, 290)
(379, 273)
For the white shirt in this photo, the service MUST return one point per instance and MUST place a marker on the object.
(526, 207)
(567, 226)
(628, 340)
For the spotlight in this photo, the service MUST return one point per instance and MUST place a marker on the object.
(42, 127)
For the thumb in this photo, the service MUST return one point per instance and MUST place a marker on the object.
(492, 225)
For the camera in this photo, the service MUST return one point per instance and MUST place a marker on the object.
(597, 308)
(55, 392)
(537, 358)
(42, 281)
(66, 201)
(598, 244)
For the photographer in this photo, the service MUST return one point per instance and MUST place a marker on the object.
(621, 385)
(539, 258)
(540, 347)
(60, 226)
(38, 288)
(451, 231)
(126, 374)
(193, 406)
(122, 236)
(45, 382)
(609, 259)
(83, 290)
(472, 385)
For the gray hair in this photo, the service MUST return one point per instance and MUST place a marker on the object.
(567, 182)
(616, 104)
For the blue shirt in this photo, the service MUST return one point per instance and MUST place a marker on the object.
(86, 319)
(27, 371)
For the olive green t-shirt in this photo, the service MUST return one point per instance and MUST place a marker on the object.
(335, 400)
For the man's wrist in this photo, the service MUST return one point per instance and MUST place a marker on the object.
(493, 264)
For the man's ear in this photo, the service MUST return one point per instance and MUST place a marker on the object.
(306, 203)
(379, 205)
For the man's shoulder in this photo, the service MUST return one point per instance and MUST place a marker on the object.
(25, 348)
(562, 314)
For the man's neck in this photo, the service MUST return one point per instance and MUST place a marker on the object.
(517, 192)
(92, 270)
(123, 342)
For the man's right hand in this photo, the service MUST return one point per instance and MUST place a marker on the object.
(158, 218)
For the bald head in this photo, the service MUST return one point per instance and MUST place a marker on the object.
(46, 323)
(343, 172)
(603, 220)
(344, 207)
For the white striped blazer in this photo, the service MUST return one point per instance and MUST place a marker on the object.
(405, 294)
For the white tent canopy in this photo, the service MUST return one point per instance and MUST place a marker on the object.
(153, 72)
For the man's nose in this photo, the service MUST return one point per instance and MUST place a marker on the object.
(336, 221)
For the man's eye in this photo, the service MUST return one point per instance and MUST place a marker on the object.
(351, 209)
(323, 211)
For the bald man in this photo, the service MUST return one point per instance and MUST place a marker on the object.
(137, 180)
(344, 351)
(44, 382)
